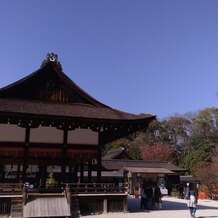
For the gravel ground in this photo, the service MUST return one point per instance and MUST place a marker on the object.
(172, 208)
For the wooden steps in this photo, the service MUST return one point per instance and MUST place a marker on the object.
(16, 208)
(47, 206)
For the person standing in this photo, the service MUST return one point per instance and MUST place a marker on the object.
(186, 193)
(181, 190)
(157, 197)
(150, 196)
(143, 203)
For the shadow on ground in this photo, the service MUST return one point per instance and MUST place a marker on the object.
(134, 206)
(207, 216)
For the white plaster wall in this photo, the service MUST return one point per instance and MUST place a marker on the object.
(11, 133)
(46, 135)
(83, 136)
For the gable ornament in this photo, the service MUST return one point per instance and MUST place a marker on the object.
(51, 57)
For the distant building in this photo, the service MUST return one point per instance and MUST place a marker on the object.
(136, 171)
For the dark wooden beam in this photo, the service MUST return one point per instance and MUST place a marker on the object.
(47, 145)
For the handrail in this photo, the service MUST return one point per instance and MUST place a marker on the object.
(72, 187)
(95, 187)
(11, 187)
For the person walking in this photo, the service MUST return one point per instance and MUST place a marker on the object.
(193, 200)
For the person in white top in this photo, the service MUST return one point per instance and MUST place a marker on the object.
(192, 202)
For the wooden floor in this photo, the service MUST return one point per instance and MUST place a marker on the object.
(47, 207)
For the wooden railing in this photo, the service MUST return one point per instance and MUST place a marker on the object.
(103, 197)
(12, 188)
(76, 188)
(5, 206)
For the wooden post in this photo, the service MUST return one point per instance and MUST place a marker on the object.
(70, 174)
(99, 165)
(25, 155)
(81, 173)
(125, 204)
(18, 172)
(2, 173)
(24, 195)
(64, 156)
(75, 179)
(105, 205)
(68, 195)
(89, 171)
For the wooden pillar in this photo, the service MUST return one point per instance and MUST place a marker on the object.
(68, 195)
(75, 179)
(81, 173)
(90, 171)
(105, 209)
(24, 195)
(25, 154)
(64, 156)
(99, 165)
(70, 174)
(42, 175)
(2, 173)
(125, 181)
(125, 209)
(18, 172)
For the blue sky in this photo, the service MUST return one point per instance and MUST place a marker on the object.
(139, 56)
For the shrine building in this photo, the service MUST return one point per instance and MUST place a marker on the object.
(49, 124)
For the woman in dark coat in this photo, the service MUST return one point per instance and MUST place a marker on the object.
(157, 196)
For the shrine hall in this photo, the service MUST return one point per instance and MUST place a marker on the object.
(49, 124)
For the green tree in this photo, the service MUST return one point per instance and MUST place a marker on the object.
(205, 124)
(200, 155)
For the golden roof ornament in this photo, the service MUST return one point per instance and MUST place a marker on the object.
(51, 57)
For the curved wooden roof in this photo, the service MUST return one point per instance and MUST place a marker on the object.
(49, 92)
(50, 72)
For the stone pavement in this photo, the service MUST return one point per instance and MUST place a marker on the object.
(172, 208)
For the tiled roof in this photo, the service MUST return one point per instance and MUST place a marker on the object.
(116, 164)
(158, 170)
(66, 110)
(114, 154)
(188, 178)
(21, 98)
